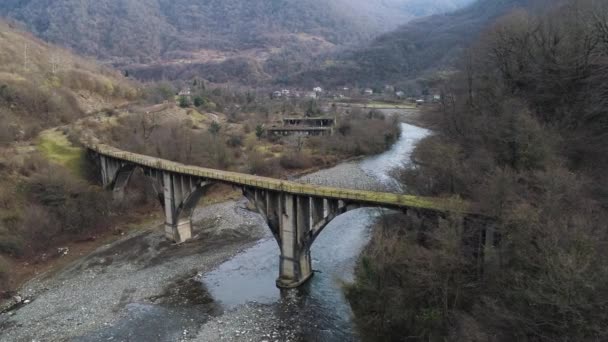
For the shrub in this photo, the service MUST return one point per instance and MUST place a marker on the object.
(296, 161)
(11, 244)
(235, 141)
(259, 131)
(258, 165)
(199, 101)
(61, 205)
(4, 275)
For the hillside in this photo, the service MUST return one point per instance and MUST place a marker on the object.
(42, 85)
(428, 43)
(151, 35)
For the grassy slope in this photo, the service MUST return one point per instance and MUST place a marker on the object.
(56, 147)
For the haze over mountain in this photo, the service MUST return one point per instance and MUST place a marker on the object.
(246, 33)
(425, 44)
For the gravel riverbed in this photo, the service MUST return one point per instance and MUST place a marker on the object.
(347, 175)
(131, 287)
(144, 288)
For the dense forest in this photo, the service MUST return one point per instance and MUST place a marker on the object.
(521, 132)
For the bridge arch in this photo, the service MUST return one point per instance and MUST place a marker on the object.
(178, 194)
(296, 221)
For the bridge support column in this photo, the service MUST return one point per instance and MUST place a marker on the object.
(180, 196)
(295, 266)
(295, 222)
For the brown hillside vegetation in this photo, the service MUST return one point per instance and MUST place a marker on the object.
(43, 86)
(169, 39)
(141, 31)
(43, 201)
(521, 131)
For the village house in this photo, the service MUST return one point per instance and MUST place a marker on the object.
(311, 95)
(186, 92)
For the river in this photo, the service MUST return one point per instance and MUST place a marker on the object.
(318, 311)
(220, 286)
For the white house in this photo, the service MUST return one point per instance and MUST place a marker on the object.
(368, 91)
(185, 92)
(317, 90)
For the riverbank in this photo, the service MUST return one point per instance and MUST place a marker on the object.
(218, 286)
(121, 281)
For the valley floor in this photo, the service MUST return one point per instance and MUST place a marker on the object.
(98, 292)
(144, 287)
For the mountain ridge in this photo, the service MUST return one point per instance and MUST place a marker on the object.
(416, 48)
(159, 33)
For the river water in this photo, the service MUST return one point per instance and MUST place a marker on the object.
(318, 311)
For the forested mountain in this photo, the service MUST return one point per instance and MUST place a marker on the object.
(177, 32)
(428, 43)
(522, 132)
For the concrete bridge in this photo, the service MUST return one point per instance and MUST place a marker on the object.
(300, 131)
(296, 213)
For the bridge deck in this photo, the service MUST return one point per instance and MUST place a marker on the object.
(369, 197)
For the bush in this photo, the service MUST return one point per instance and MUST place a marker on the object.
(11, 244)
(235, 141)
(184, 102)
(296, 161)
(199, 101)
(159, 92)
(59, 206)
(4, 275)
(7, 134)
(260, 166)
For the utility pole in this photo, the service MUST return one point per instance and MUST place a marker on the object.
(25, 57)
(53, 63)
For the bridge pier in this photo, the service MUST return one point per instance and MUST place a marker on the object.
(295, 221)
(180, 195)
(295, 264)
